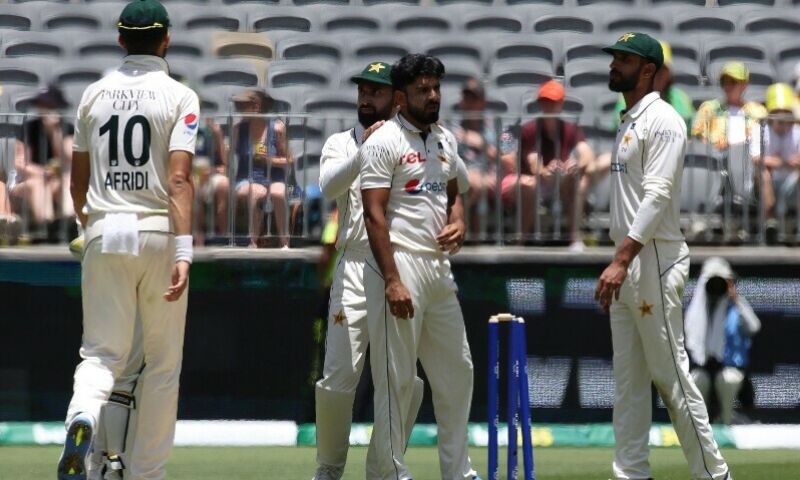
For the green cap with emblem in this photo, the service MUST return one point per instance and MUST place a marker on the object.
(143, 15)
(375, 72)
(640, 44)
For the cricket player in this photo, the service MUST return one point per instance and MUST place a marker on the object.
(347, 339)
(643, 286)
(414, 217)
(134, 142)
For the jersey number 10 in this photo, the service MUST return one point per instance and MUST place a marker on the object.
(112, 127)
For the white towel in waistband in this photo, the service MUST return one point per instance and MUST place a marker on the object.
(121, 234)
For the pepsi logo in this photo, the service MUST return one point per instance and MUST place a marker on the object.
(190, 121)
(415, 187)
(412, 186)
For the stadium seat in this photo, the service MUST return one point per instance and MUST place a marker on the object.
(786, 53)
(25, 71)
(341, 102)
(458, 71)
(391, 2)
(455, 47)
(761, 73)
(573, 106)
(492, 20)
(588, 48)
(586, 72)
(686, 73)
(208, 18)
(701, 186)
(281, 19)
(786, 71)
(102, 44)
(703, 21)
(536, 2)
(384, 48)
(619, 22)
(15, 98)
(81, 73)
(242, 45)
(301, 46)
(771, 22)
(218, 99)
(308, 73)
(516, 46)
(521, 73)
(420, 21)
(684, 46)
(94, 17)
(605, 3)
(349, 20)
(727, 3)
(27, 44)
(269, 3)
(189, 45)
(728, 49)
(18, 17)
(563, 23)
(233, 71)
(677, 3)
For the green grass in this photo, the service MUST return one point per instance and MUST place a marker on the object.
(297, 463)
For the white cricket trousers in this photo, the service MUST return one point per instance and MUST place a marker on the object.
(436, 335)
(114, 288)
(647, 337)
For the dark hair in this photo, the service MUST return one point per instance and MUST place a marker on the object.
(414, 65)
(143, 42)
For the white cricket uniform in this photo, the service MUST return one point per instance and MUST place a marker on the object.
(647, 321)
(128, 122)
(347, 339)
(416, 169)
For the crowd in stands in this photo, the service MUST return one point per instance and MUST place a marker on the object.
(545, 162)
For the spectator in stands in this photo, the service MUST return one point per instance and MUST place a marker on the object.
(9, 221)
(730, 120)
(671, 94)
(262, 160)
(796, 81)
(720, 324)
(781, 156)
(477, 145)
(554, 154)
(44, 158)
(210, 161)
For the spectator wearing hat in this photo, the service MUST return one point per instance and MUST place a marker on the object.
(781, 156)
(262, 159)
(43, 159)
(730, 120)
(720, 324)
(477, 145)
(554, 154)
(671, 94)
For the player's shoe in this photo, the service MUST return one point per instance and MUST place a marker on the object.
(328, 472)
(72, 465)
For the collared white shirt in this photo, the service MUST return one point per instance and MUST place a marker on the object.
(339, 180)
(647, 163)
(416, 168)
(129, 121)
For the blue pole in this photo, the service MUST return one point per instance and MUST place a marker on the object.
(494, 380)
(513, 398)
(525, 403)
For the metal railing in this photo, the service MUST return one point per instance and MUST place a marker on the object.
(266, 192)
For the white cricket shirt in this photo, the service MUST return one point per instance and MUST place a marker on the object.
(416, 168)
(129, 121)
(646, 172)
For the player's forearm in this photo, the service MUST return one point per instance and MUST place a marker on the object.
(657, 194)
(336, 175)
(455, 206)
(626, 252)
(181, 195)
(79, 184)
(380, 243)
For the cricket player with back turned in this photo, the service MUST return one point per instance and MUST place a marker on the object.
(134, 142)
(643, 286)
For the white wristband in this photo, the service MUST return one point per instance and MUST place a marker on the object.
(183, 248)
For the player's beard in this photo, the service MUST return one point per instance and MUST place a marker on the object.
(370, 118)
(622, 83)
(423, 116)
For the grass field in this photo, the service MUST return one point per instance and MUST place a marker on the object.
(297, 463)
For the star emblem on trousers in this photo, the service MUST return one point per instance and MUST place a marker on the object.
(376, 67)
(645, 309)
(339, 318)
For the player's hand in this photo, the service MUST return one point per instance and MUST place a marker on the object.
(180, 278)
(451, 237)
(372, 129)
(609, 284)
(399, 299)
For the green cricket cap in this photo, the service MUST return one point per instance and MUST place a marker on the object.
(143, 15)
(640, 44)
(375, 72)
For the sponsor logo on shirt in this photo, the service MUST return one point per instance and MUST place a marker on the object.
(411, 158)
(416, 186)
(619, 167)
(190, 121)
